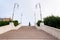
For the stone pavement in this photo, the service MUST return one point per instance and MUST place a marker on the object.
(27, 33)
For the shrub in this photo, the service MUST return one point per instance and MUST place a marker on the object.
(15, 22)
(3, 23)
(38, 23)
(52, 21)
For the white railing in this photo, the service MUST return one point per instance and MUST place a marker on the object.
(53, 31)
(9, 27)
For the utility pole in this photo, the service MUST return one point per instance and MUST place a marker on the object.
(15, 4)
(39, 9)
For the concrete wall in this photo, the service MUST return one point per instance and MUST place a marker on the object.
(53, 31)
(38, 27)
(9, 27)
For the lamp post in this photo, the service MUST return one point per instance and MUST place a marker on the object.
(21, 17)
(35, 17)
(15, 4)
(39, 9)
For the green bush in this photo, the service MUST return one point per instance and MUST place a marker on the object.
(15, 22)
(3, 23)
(38, 23)
(52, 21)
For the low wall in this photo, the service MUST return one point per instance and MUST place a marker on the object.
(53, 31)
(9, 27)
(17, 27)
(38, 27)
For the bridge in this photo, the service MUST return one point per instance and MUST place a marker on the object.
(27, 33)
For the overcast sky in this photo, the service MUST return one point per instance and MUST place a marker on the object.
(27, 8)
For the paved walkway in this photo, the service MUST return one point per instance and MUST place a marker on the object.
(25, 33)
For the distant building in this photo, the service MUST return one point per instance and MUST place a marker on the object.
(5, 19)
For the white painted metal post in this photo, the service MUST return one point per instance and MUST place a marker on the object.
(40, 9)
(14, 9)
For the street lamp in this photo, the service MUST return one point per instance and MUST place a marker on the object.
(15, 4)
(40, 9)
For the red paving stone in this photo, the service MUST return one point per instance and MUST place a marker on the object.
(26, 32)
